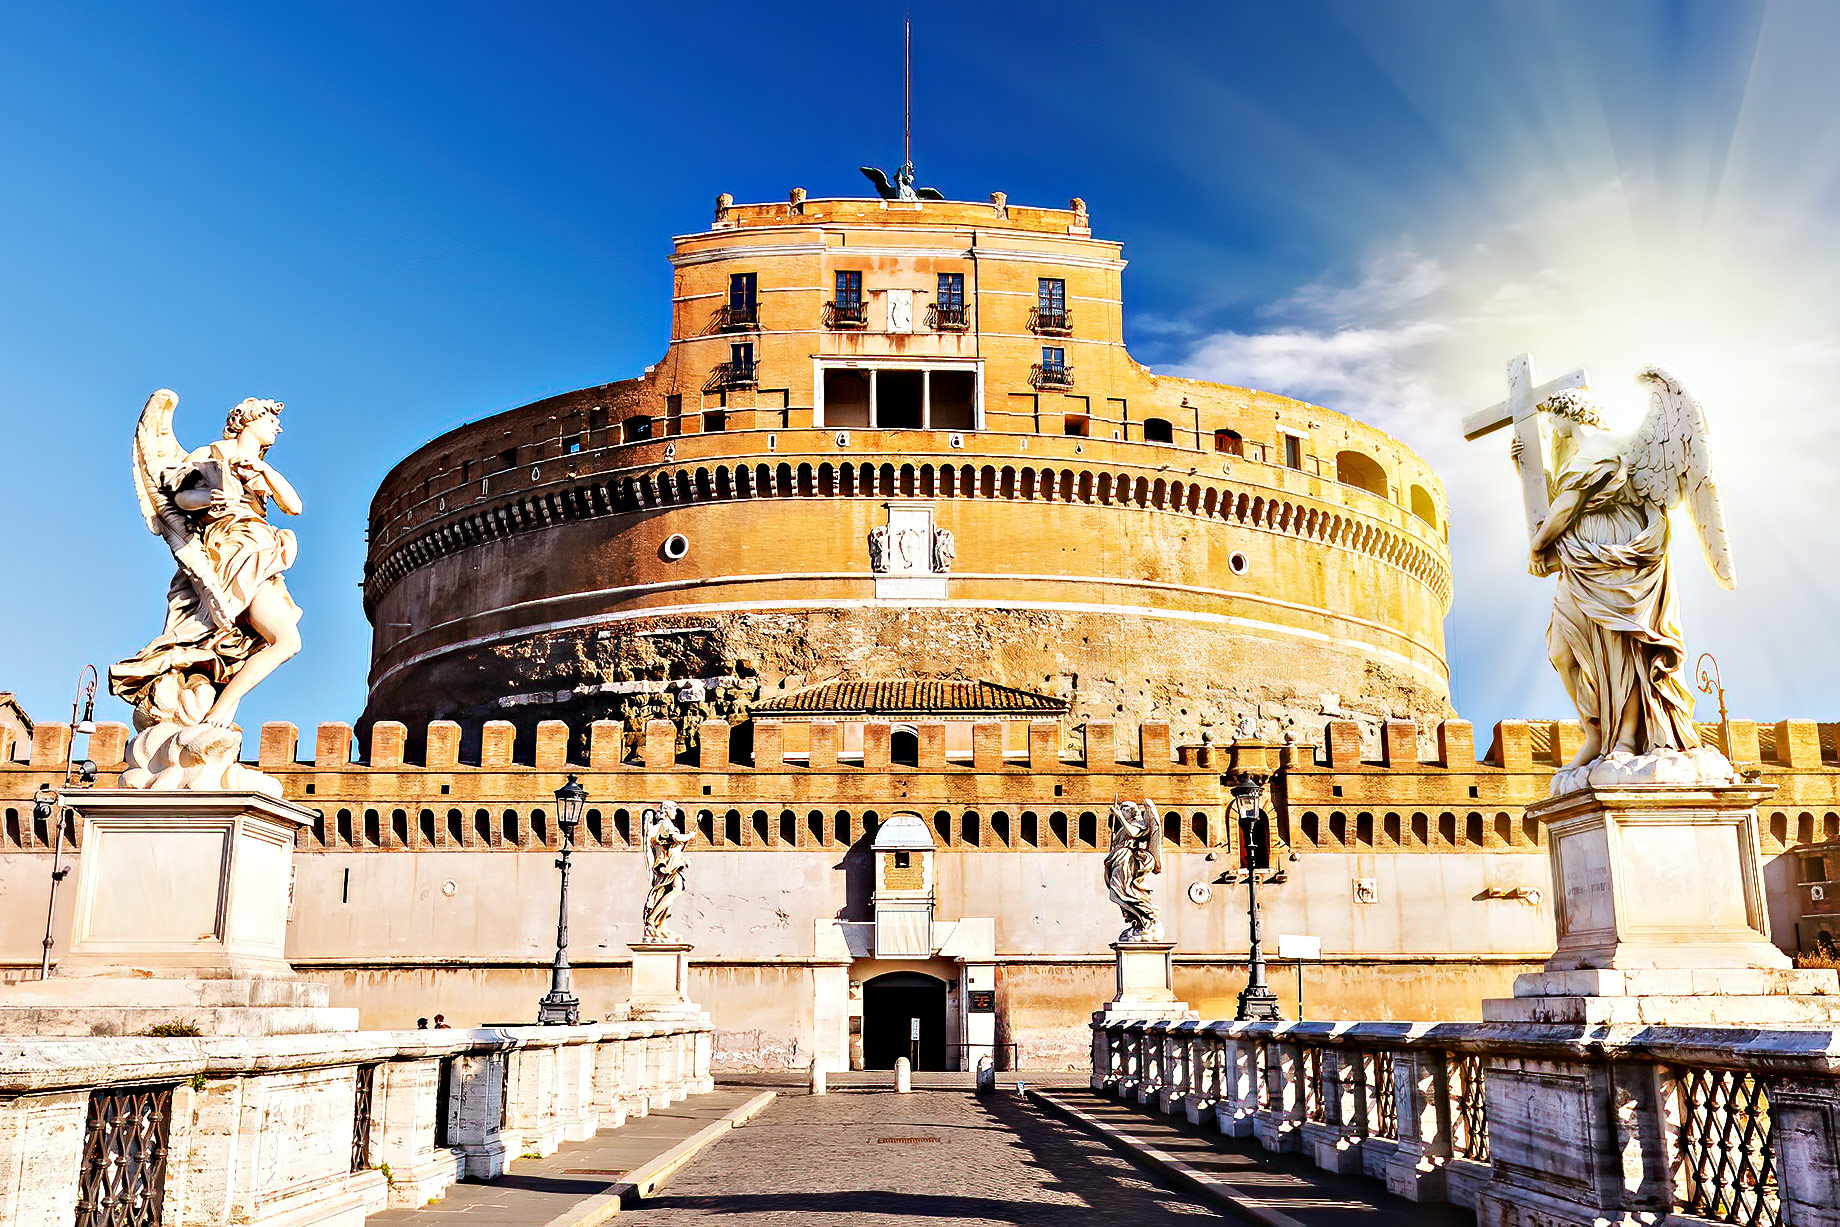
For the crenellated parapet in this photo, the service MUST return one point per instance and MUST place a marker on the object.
(1017, 789)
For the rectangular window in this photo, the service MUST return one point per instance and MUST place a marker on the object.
(674, 414)
(634, 429)
(952, 290)
(1053, 358)
(903, 860)
(1078, 425)
(741, 289)
(1293, 452)
(572, 444)
(715, 419)
(1051, 296)
(849, 289)
(741, 356)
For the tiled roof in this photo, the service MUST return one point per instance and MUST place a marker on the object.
(915, 696)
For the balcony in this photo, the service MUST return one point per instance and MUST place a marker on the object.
(733, 375)
(743, 318)
(1050, 323)
(846, 315)
(1044, 375)
(948, 317)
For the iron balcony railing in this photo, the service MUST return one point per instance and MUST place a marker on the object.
(948, 317)
(735, 375)
(742, 318)
(1050, 322)
(1050, 375)
(845, 314)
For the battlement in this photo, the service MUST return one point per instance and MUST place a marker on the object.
(1328, 797)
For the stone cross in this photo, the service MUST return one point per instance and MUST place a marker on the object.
(1521, 410)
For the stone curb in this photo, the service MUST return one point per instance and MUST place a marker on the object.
(643, 1180)
(1211, 1187)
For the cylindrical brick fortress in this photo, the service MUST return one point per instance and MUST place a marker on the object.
(951, 380)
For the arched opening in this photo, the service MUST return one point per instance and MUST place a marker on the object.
(1423, 507)
(1158, 430)
(1230, 442)
(1364, 472)
(891, 1004)
(904, 747)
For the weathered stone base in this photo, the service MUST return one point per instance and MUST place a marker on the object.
(119, 1006)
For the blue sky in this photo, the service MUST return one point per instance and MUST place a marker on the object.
(400, 217)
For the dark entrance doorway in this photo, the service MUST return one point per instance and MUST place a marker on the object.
(890, 1004)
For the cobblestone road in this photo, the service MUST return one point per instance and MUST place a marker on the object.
(877, 1158)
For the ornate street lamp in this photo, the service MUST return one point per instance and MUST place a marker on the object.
(1258, 1001)
(48, 809)
(559, 1006)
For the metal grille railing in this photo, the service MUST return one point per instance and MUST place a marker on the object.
(1048, 375)
(733, 375)
(733, 317)
(365, 1085)
(1469, 1108)
(443, 1102)
(1727, 1154)
(845, 314)
(123, 1179)
(948, 317)
(1050, 321)
(1379, 1109)
(1309, 1076)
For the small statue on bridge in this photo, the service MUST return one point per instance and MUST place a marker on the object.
(1133, 853)
(667, 838)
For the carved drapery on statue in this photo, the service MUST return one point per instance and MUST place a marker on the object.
(1133, 853)
(229, 618)
(667, 842)
(1614, 637)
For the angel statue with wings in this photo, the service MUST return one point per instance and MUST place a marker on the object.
(229, 618)
(1134, 852)
(1613, 637)
(666, 841)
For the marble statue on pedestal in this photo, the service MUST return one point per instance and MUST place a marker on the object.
(1605, 534)
(1134, 852)
(229, 618)
(666, 842)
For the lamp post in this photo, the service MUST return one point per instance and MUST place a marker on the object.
(47, 806)
(1710, 682)
(1258, 1002)
(559, 1006)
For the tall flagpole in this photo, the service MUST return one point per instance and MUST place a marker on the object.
(907, 96)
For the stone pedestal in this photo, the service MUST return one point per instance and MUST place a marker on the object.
(182, 902)
(1661, 916)
(661, 983)
(1146, 990)
(1661, 920)
(1146, 984)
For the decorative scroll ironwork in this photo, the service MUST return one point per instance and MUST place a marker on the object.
(732, 375)
(948, 317)
(846, 315)
(1727, 1151)
(1049, 322)
(1050, 375)
(1309, 1076)
(742, 317)
(1469, 1108)
(361, 1117)
(1379, 1108)
(123, 1179)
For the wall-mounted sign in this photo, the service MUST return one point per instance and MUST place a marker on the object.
(983, 1001)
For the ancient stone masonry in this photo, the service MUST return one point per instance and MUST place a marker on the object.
(619, 552)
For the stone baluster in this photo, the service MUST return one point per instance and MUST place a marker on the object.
(1276, 1124)
(1334, 1143)
(476, 1107)
(1421, 1090)
(1239, 1096)
(1198, 1102)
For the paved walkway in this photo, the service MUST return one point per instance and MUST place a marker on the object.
(1274, 1190)
(538, 1192)
(871, 1158)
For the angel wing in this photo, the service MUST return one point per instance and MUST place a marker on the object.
(1153, 827)
(1670, 461)
(156, 453)
(929, 193)
(878, 177)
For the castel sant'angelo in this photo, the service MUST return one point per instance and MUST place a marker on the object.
(895, 572)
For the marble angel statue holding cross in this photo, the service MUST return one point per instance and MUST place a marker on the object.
(1598, 514)
(229, 618)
